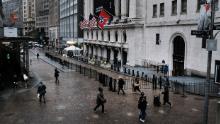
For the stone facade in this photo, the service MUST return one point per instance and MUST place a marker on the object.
(154, 35)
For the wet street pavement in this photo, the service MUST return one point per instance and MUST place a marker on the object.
(73, 100)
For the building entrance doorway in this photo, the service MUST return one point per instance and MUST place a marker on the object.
(178, 56)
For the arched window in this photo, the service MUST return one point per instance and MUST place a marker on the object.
(124, 36)
(116, 36)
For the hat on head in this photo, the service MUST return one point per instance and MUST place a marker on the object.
(142, 93)
(100, 89)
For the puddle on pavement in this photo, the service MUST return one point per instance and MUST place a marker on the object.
(60, 118)
(95, 116)
(195, 110)
(130, 114)
(60, 107)
(161, 111)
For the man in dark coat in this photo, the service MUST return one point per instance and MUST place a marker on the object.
(38, 55)
(56, 74)
(41, 91)
(121, 83)
(166, 96)
(142, 105)
(100, 100)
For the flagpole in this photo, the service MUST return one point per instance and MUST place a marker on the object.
(107, 12)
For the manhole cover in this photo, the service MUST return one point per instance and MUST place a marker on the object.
(1, 99)
(9, 114)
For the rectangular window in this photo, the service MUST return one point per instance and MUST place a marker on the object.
(183, 6)
(174, 7)
(154, 10)
(157, 39)
(162, 9)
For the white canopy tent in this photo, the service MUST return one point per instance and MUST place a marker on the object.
(72, 51)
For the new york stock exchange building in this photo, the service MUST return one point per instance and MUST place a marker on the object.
(155, 32)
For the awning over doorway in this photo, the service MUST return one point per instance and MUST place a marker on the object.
(70, 42)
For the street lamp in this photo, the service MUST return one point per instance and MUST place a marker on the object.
(121, 69)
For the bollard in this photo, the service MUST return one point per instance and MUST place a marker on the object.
(110, 84)
(84, 71)
(76, 68)
(183, 90)
(142, 75)
(138, 74)
(90, 73)
(80, 69)
(218, 113)
(114, 87)
(125, 71)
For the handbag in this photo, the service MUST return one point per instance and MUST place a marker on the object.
(38, 95)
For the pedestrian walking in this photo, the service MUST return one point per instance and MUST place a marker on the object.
(15, 83)
(41, 91)
(166, 96)
(100, 100)
(136, 85)
(30, 61)
(121, 83)
(25, 77)
(56, 75)
(38, 55)
(142, 106)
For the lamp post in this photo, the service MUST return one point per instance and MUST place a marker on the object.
(121, 68)
(207, 84)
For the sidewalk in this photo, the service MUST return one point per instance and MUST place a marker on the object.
(73, 100)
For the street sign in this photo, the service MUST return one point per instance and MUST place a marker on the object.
(198, 33)
(211, 45)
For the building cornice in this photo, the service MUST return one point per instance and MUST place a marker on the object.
(191, 22)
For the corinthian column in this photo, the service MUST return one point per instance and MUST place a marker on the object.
(123, 8)
(132, 9)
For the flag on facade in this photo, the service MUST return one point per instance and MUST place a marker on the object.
(92, 21)
(84, 24)
(13, 17)
(207, 7)
(103, 19)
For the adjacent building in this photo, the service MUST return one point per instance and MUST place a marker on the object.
(42, 16)
(54, 23)
(12, 10)
(152, 32)
(28, 16)
(70, 13)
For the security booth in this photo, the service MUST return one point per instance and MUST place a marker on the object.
(14, 60)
